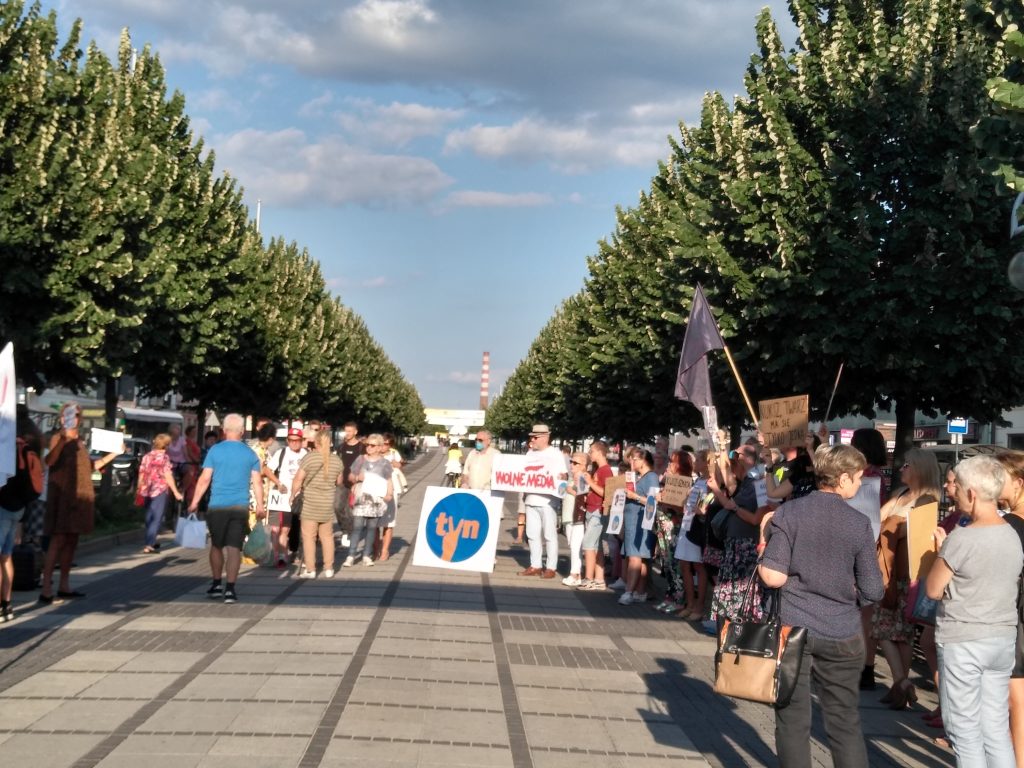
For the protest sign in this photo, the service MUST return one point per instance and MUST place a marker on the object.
(528, 474)
(784, 421)
(921, 524)
(617, 511)
(611, 485)
(677, 490)
(650, 511)
(106, 441)
(458, 530)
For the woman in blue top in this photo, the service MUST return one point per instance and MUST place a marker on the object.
(637, 542)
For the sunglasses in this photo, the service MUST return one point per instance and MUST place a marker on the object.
(577, 463)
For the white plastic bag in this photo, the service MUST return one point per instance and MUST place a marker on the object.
(190, 533)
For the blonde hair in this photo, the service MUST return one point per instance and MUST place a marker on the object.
(322, 445)
(926, 471)
(1012, 461)
(831, 462)
(161, 441)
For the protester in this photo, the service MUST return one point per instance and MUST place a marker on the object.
(1012, 499)
(320, 472)
(17, 496)
(595, 522)
(667, 520)
(70, 500)
(230, 469)
(871, 443)
(919, 475)
(739, 497)
(976, 575)
(350, 449)
(369, 505)
(821, 554)
(638, 543)
(386, 526)
(688, 554)
(576, 495)
(796, 478)
(285, 465)
(615, 540)
(156, 484)
(476, 472)
(541, 514)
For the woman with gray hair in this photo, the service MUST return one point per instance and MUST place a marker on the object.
(976, 576)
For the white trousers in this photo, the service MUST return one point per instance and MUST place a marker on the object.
(574, 535)
(542, 521)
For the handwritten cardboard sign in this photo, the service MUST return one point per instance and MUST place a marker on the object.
(676, 490)
(527, 474)
(784, 421)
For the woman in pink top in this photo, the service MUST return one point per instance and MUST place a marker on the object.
(156, 482)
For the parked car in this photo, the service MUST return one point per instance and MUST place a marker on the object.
(125, 468)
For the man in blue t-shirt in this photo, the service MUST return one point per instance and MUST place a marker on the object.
(229, 468)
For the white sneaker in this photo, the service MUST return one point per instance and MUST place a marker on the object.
(304, 574)
(626, 598)
(572, 581)
(367, 561)
(344, 540)
(328, 574)
(617, 584)
(641, 597)
(349, 561)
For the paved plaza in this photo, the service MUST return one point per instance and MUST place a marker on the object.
(391, 665)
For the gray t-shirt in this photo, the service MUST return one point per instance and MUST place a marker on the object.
(981, 598)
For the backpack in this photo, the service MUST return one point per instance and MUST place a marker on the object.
(27, 483)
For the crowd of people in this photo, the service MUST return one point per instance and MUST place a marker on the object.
(755, 524)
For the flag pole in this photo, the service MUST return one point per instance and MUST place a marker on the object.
(828, 411)
(743, 390)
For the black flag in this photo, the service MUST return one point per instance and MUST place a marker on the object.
(702, 336)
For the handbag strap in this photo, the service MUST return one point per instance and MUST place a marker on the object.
(772, 605)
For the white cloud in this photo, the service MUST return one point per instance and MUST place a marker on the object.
(316, 107)
(391, 21)
(471, 198)
(569, 148)
(394, 124)
(287, 168)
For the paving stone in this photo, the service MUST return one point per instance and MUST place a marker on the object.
(19, 714)
(164, 661)
(277, 718)
(87, 716)
(281, 663)
(54, 684)
(125, 685)
(48, 750)
(93, 661)
(432, 649)
(431, 694)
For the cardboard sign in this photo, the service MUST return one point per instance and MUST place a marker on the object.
(677, 490)
(106, 441)
(617, 513)
(528, 474)
(458, 530)
(784, 421)
(921, 524)
(611, 485)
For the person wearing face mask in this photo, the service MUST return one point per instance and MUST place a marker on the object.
(476, 472)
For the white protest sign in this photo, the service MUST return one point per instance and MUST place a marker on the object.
(374, 485)
(106, 441)
(650, 511)
(528, 474)
(761, 489)
(458, 530)
(784, 421)
(868, 502)
(710, 416)
(278, 502)
(618, 509)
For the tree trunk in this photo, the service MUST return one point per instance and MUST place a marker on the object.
(906, 409)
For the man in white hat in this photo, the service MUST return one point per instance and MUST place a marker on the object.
(542, 508)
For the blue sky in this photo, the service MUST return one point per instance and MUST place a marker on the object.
(450, 163)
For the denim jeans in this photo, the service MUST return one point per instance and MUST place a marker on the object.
(835, 666)
(155, 506)
(974, 690)
(360, 526)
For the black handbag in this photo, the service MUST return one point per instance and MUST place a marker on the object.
(697, 534)
(720, 522)
(759, 660)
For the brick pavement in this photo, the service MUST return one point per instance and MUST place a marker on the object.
(394, 665)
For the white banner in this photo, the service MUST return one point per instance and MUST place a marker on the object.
(458, 529)
(615, 515)
(528, 474)
(8, 425)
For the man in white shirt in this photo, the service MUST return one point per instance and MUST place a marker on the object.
(542, 508)
(476, 472)
(285, 465)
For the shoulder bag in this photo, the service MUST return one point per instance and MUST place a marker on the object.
(758, 660)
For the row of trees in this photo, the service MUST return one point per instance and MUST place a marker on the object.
(839, 212)
(124, 251)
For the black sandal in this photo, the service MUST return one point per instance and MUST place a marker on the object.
(73, 593)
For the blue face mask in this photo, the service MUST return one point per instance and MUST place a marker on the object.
(479, 445)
